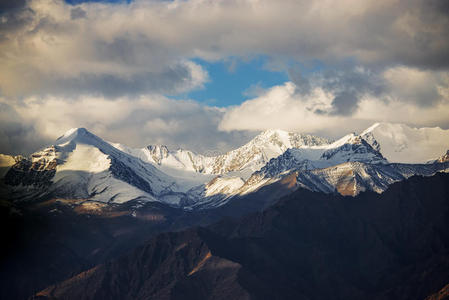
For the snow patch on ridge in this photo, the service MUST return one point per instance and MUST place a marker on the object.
(85, 158)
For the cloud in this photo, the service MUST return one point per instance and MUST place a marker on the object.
(333, 112)
(77, 13)
(53, 48)
(349, 86)
(16, 133)
(422, 87)
(7, 5)
(115, 49)
(136, 122)
(106, 66)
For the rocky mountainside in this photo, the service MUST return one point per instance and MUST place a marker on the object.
(347, 166)
(243, 160)
(83, 201)
(310, 245)
(83, 166)
(444, 158)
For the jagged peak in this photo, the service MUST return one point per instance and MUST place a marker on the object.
(347, 139)
(72, 133)
(157, 147)
(288, 139)
(444, 157)
(270, 132)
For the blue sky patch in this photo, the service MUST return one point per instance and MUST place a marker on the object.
(233, 81)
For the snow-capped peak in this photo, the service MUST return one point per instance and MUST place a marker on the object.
(72, 133)
(444, 158)
(347, 139)
(285, 139)
(78, 135)
(274, 132)
(158, 152)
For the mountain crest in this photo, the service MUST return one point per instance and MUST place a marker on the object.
(444, 158)
(79, 135)
(158, 152)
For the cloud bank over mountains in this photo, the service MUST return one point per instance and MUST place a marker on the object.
(113, 67)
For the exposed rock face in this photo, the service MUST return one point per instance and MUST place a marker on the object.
(442, 294)
(356, 149)
(37, 171)
(444, 158)
(308, 246)
(158, 152)
(247, 158)
(173, 266)
(125, 173)
(261, 149)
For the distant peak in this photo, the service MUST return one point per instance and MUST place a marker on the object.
(157, 148)
(269, 132)
(347, 139)
(78, 135)
(72, 132)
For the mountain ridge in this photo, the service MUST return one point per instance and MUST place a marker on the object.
(82, 165)
(371, 247)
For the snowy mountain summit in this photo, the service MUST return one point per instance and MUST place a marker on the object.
(244, 160)
(81, 165)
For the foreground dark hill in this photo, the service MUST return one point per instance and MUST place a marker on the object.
(48, 241)
(308, 246)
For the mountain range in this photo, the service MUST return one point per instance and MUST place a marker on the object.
(84, 201)
(81, 165)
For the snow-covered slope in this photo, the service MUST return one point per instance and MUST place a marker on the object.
(401, 143)
(213, 194)
(349, 148)
(82, 165)
(349, 178)
(6, 161)
(242, 161)
(349, 165)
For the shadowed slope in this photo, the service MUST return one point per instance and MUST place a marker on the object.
(308, 246)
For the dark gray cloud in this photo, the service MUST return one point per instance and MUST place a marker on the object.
(349, 86)
(77, 13)
(17, 136)
(142, 40)
(170, 81)
(302, 83)
(9, 5)
(345, 103)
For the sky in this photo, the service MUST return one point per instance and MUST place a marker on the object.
(207, 75)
